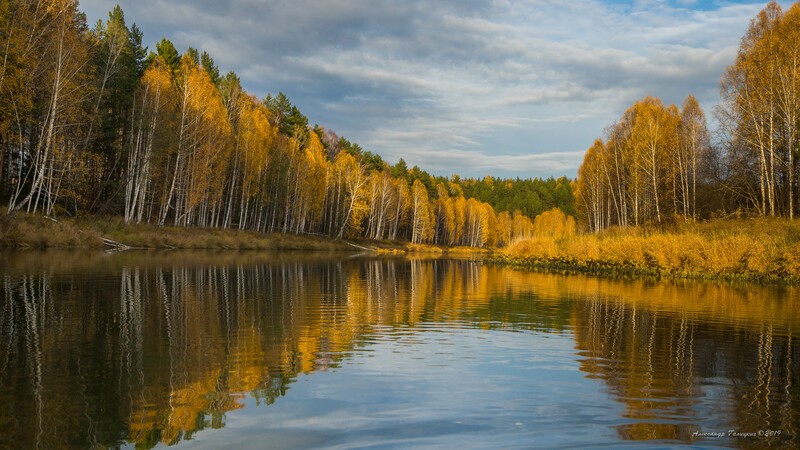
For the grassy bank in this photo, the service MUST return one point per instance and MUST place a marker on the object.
(37, 232)
(408, 248)
(33, 231)
(761, 250)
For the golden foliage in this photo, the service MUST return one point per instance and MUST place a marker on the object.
(554, 223)
(718, 249)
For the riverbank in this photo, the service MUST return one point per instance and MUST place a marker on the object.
(27, 231)
(37, 232)
(754, 250)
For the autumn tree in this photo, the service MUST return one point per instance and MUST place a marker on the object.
(759, 112)
(58, 54)
(592, 187)
(351, 195)
(154, 105)
(254, 140)
(194, 193)
(383, 200)
(693, 148)
(654, 134)
(422, 220)
(554, 223)
(646, 170)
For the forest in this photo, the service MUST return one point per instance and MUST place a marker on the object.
(93, 123)
(660, 164)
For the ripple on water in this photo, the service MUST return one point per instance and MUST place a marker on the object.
(248, 351)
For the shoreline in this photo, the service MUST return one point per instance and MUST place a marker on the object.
(731, 251)
(628, 270)
(756, 250)
(26, 231)
(34, 232)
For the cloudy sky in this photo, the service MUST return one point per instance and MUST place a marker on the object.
(475, 87)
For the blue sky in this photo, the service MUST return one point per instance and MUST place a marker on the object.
(496, 87)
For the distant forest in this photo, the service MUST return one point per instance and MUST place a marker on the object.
(657, 163)
(94, 123)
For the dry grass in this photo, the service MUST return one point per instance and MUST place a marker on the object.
(753, 249)
(441, 250)
(32, 231)
(389, 247)
(427, 249)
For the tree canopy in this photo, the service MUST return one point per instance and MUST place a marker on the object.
(91, 122)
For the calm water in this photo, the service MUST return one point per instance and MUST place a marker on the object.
(289, 351)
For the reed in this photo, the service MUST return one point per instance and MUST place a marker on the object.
(765, 250)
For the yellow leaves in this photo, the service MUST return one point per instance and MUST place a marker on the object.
(357, 215)
(450, 214)
(206, 133)
(761, 100)
(459, 213)
(455, 189)
(256, 138)
(645, 170)
(521, 226)
(447, 215)
(157, 77)
(422, 219)
(314, 175)
(315, 152)
(503, 229)
(59, 6)
(479, 223)
(205, 100)
(554, 223)
(591, 186)
(534, 248)
(349, 183)
(403, 197)
(654, 127)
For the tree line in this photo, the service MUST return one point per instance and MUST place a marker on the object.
(658, 164)
(93, 123)
(531, 196)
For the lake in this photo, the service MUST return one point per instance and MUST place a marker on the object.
(259, 350)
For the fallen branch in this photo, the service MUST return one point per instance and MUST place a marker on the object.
(369, 249)
(115, 244)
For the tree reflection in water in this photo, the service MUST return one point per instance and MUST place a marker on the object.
(99, 350)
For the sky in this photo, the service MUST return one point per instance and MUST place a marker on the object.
(475, 87)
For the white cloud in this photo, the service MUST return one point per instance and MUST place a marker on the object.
(479, 163)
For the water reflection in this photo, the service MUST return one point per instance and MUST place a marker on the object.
(100, 350)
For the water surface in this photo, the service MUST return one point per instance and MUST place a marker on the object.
(251, 350)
